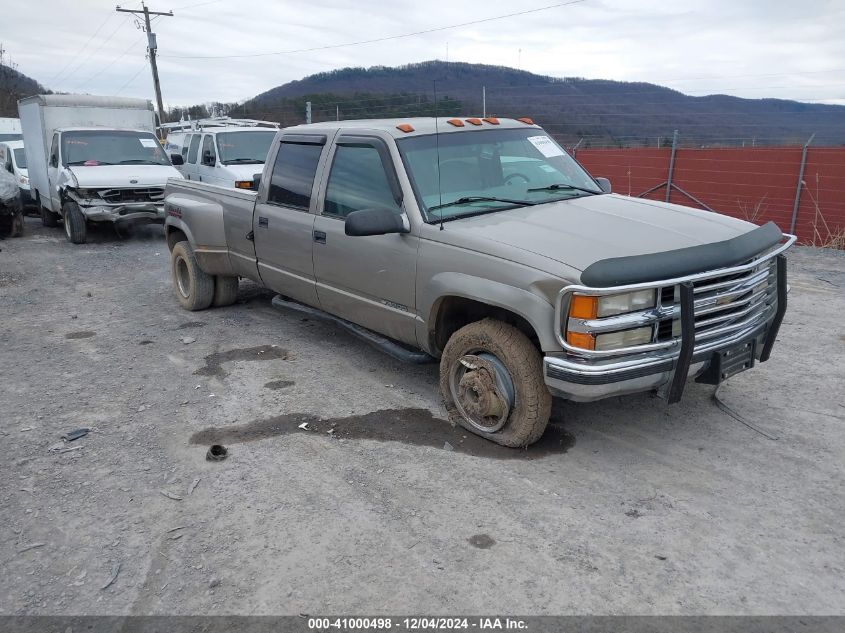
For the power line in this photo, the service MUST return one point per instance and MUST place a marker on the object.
(381, 39)
(81, 50)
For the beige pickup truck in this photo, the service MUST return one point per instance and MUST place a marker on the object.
(482, 243)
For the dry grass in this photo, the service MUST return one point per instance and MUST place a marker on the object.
(823, 235)
(752, 212)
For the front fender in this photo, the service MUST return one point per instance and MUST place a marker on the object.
(536, 310)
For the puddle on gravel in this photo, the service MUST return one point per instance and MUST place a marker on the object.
(214, 362)
(278, 384)
(481, 541)
(410, 426)
(77, 335)
(191, 324)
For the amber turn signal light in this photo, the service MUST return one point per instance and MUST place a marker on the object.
(243, 184)
(581, 340)
(583, 307)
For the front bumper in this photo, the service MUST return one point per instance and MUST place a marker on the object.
(665, 370)
(130, 212)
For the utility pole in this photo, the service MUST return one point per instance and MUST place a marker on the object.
(484, 100)
(308, 112)
(152, 47)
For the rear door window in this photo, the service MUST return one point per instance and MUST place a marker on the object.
(293, 175)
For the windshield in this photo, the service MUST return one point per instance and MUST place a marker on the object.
(20, 158)
(11, 137)
(89, 148)
(490, 170)
(244, 148)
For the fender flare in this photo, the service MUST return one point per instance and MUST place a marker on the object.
(536, 310)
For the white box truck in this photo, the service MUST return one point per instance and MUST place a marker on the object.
(94, 159)
(10, 129)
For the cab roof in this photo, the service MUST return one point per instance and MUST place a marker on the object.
(421, 126)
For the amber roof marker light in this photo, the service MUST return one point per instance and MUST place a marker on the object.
(491, 120)
(405, 127)
(455, 122)
(526, 120)
(474, 121)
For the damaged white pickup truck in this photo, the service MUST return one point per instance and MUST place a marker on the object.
(94, 159)
(482, 243)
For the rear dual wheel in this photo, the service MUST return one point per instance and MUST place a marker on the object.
(195, 288)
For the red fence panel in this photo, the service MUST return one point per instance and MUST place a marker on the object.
(754, 184)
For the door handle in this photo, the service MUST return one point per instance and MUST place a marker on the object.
(251, 236)
(320, 237)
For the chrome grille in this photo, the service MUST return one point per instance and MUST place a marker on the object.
(725, 304)
(139, 194)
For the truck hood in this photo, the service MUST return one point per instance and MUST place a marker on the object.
(581, 231)
(103, 176)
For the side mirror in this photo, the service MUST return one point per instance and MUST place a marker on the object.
(177, 159)
(256, 181)
(208, 158)
(604, 184)
(375, 222)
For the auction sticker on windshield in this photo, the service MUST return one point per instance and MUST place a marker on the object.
(546, 146)
(151, 142)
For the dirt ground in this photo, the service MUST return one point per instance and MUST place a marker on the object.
(627, 506)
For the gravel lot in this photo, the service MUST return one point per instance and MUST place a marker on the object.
(627, 506)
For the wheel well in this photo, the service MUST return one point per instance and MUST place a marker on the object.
(453, 313)
(174, 236)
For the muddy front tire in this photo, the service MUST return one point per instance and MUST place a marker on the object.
(75, 228)
(225, 291)
(194, 287)
(491, 379)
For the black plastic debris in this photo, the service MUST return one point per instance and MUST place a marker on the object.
(217, 453)
(75, 435)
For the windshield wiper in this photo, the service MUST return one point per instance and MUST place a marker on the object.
(471, 199)
(74, 163)
(557, 186)
(139, 161)
(250, 161)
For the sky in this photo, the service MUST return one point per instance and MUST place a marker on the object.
(216, 50)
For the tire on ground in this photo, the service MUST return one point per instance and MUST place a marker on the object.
(532, 402)
(194, 287)
(48, 218)
(74, 221)
(225, 291)
(17, 225)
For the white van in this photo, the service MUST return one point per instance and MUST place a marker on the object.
(13, 160)
(227, 157)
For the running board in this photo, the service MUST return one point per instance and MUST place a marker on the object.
(391, 348)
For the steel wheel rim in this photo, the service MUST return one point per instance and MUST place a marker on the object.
(470, 402)
(183, 277)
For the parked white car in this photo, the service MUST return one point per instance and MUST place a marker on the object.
(13, 160)
(227, 157)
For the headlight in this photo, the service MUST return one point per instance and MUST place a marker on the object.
(625, 338)
(588, 308)
(23, 180)
(610, 305)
